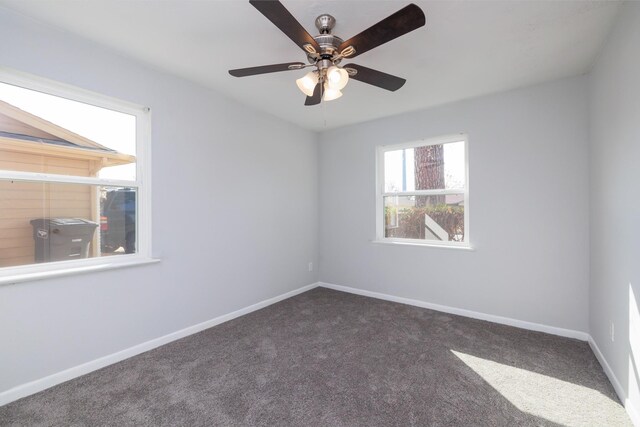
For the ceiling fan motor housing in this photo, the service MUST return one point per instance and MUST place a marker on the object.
(329, 45)
(328, 42)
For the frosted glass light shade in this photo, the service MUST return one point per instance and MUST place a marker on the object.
(331, 94)
(308, 83)
(337, 78)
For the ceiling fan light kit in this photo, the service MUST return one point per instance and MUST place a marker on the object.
(337, 78)
(331, 94)
(326, 51)
(307, 83)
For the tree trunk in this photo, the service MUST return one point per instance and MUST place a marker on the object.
(429, 173)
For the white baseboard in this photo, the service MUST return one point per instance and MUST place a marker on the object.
(32, 387)
(71, 373)
(569, 333)
(634, 413)
(607, 370)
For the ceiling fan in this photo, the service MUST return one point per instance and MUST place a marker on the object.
(326, 51)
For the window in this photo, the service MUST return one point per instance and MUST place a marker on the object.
(74, 181)
(422, 192)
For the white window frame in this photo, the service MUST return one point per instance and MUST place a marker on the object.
(142, 183)
(381, 194)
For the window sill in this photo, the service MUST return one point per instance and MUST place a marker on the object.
(428, 245)
(29, 274)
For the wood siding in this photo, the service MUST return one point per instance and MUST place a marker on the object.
(20, 202)
(27, 162)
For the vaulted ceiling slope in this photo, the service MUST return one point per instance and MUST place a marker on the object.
(466, 49)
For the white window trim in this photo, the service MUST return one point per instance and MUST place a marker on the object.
(380, 192)
(142, 183)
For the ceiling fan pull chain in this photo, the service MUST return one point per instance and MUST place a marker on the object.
(324, 110)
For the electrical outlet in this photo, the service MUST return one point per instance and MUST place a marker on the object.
(310, 266)
(612, 332)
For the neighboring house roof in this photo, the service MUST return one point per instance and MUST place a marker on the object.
(46, 140)
(26, 132)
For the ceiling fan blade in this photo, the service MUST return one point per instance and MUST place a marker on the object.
(275, 12)
(402, 22)
(376, 78)
(252, 71)
(317, 96)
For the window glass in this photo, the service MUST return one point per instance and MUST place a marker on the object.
(424, 189)
(438, 166)
(439, 218)
(44, 222)
(51, 134)
(70, 188)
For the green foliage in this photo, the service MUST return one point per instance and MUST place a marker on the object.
(389, 212)
(411, 225)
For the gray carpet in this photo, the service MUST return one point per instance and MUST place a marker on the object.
(327, 358)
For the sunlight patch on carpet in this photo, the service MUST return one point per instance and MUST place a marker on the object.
(550, 398)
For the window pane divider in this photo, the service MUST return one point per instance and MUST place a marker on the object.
(424, 193)
(67, 179)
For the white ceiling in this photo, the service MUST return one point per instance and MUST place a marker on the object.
(466, 49)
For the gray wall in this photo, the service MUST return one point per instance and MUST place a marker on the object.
(213, 166)
(615, 201)
(224, 184)
(528, 207)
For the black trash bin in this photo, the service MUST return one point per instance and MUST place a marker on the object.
(60, 239)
